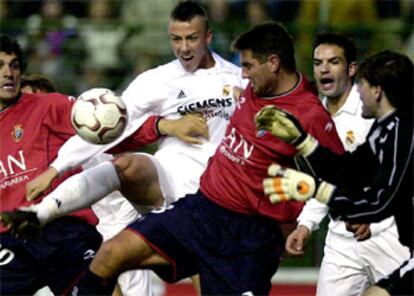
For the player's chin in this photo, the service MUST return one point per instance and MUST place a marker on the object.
(8, 94)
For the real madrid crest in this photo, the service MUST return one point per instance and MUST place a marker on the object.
(226, 90)
(17, 132)
(350, 138)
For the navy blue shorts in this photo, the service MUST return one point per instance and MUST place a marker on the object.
(233, 253)
(60, 252)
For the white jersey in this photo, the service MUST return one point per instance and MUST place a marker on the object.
(170, 91)
(352, 129)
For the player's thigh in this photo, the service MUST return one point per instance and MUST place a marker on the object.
(343, 279)
(125, 251)
(382, 253)
(139, 179)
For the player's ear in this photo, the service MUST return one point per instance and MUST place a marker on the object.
(352, 69)
(209, 36)
(274, 62)
(377, 92)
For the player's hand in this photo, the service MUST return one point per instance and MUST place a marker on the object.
(233, 91)
(361, 231)
(237, 93)
(22, 223)
(41, 183)
(376, 291)
(190, 128)
(297, 239)
(286, 127)
(280, 124)
(286, 184)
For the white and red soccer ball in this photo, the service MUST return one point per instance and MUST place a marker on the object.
(99, 116)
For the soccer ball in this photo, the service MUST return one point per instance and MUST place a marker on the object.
(99, 116)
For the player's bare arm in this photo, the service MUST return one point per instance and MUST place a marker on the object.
(296, 241)
(191, 128)
(41, 183)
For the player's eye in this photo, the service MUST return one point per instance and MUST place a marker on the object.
(175, 39)
(15, 65)
(335, 61)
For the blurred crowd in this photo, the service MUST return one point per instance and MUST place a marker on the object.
(89, 43)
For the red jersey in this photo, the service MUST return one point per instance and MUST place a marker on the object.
(233, 178)
(31, 132)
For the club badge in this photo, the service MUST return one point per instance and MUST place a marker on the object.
(349, 138)
(17, 132)
(226, 90)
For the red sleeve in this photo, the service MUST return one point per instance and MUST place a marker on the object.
(146, 134)
(325, 132)
(58, 119)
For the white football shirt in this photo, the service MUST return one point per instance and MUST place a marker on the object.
(171, 92)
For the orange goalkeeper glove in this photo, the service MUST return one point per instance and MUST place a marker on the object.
(286, 184)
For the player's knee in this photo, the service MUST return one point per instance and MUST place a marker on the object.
(139, 179)
(108, 262)
(126, 251)
(134, 168)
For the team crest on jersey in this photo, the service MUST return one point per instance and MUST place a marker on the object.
(349, 138)
(260, 133)
(17, 132)
(226, 90)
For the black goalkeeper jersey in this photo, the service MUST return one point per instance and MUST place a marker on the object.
(376, 180)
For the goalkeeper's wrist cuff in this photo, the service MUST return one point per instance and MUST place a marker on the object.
(324, 192)
(307, 146)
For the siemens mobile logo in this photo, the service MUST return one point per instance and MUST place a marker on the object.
(205, 104)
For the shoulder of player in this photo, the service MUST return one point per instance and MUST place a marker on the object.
(52, 98)
(225, 65)
(399, 123)
(309, 110)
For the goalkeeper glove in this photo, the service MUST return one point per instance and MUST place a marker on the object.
(286, 127)
(287, 184)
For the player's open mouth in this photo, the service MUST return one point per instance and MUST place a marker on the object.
(187, 59)
(326, 83)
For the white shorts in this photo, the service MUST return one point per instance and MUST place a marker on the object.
(349, 267)
(175, 185)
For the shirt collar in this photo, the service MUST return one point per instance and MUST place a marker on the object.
(351, 104)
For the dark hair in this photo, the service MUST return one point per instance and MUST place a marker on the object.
(38, 83)
(185, 11)
(350, 50)
(394, 73)
(9, 46)
(268, 38)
